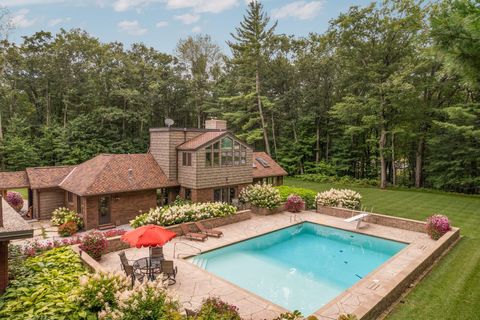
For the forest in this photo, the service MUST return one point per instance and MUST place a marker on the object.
(390, 92)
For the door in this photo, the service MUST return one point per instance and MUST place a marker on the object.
(104, 214)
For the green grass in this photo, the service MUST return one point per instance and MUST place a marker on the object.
(452, 289)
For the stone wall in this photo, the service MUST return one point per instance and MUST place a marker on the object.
(375, 218)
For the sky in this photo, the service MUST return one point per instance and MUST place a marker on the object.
(161, 23)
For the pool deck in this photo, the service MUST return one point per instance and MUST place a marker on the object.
(369, 296)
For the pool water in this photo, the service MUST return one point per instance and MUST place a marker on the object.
(301, 267)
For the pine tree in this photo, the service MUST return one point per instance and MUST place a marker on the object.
(250, 54)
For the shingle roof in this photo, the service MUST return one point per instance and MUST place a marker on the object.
(47, 177)
(14, 226)
(201, 140)
(12, 180)
(260, 171)
(113, 173)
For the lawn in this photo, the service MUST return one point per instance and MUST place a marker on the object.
(23, 192)
(452, 289)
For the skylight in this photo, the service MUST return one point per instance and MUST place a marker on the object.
(262, 162)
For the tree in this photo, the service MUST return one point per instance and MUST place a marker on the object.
(251, 49)
(202, 62)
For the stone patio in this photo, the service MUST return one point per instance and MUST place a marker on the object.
(366, 298)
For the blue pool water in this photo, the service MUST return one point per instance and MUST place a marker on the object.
(300, 267)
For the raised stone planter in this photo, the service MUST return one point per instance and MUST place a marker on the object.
(266, 211)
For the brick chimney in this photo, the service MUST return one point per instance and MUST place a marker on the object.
(215, 124)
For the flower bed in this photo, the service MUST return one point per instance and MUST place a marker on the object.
(171, 215)
(46, 290)
(94, 244)
(343, 198)
(64, 219)
(261, 196)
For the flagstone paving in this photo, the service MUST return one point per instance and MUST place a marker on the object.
(195, 284)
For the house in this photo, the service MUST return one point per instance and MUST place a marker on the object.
(12, 227)
(200, 165)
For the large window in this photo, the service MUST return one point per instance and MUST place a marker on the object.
(224, 194)
(225, 153)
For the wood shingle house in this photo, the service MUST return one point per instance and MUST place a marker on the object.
(201, 165)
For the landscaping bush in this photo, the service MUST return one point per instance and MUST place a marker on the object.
(15, 200)
(16, 262)
(294, 203)
(307, 195)
(145, 301)
(344, 198)
(261, 196)
(437, 226)
(344, 180)
(46, 291)
(98, 290)
(170, 215)
(63, 215)
(347, 317)
(67, 229)
(94, 244)
(36, 247)
(215, 309)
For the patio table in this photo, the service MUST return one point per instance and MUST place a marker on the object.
(147, 266)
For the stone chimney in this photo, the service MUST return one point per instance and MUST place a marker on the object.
(215, 124)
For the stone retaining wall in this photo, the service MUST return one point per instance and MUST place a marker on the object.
(384, 220)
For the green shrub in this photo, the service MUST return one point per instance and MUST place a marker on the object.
(345, 180)
(306, 194)
(16, 262)
(261, 196)
(63, 215)
(170, 215)
(99, 289)
(46, 292)
(216, 309)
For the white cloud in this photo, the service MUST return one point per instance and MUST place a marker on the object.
(196, 29)
(302, 10)
(161, 24)
(54, 22)
(20, 20)
(213, 6)
(124, 5)
(132, 27)
(18, 3)
(187, 18)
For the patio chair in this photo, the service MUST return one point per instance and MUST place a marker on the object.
(190, 313)
(157, 253)
(208, 232)
(128, 268)
(169, 271)
(192, 235)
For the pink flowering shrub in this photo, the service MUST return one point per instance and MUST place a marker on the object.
(94, 244)
(114, 233)
(36, 247)
(15, 200)
(437, 226)
(214, 308)
(294, 203)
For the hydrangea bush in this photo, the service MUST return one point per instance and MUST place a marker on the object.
(98, 290)
(170, 215)
(343, 198)
(261, 196)
(437, 226)
(63, 215)
(145, 301)
(294, 203)
(15, 200)
(94, 244)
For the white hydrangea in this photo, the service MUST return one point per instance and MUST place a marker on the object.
(344, 198)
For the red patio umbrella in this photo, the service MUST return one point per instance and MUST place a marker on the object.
(148, 236)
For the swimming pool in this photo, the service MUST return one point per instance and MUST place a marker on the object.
(301, 267)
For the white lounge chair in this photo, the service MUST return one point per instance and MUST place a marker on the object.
(358, 218)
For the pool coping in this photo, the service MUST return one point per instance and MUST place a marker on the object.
(376, 303)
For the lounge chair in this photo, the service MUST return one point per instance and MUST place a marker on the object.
(358, 218)
(192, 235)
(128, 268)
(169, 271)
(208, 232)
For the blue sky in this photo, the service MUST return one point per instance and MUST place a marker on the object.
(161, 23)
